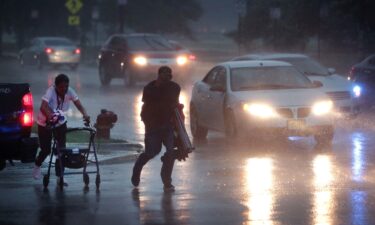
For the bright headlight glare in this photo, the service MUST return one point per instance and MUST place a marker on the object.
(140, 60)
(260, 110)
(357, 91)
(181, 60)
(322, 108)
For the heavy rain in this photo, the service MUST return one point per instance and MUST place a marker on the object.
(277, 100)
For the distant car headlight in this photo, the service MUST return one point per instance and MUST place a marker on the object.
(140, 60)
(182, 60)
(322, 107)
(260, 110)
(357, 91)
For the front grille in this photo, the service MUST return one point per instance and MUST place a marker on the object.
(338, 95)
(303, 112)
(285, 112)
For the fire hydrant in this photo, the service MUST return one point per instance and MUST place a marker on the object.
(104, 122)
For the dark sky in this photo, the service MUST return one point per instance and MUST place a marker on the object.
(219, 16)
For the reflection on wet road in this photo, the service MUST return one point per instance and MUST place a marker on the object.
(222, 182)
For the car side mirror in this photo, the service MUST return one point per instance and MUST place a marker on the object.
(331, 70)
(317, 84)
(218, 88)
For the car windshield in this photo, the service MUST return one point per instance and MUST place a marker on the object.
(307, 66)
(264, 78)
(58, 42)
(149, 43)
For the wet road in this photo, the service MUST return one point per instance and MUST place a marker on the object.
(222, 182)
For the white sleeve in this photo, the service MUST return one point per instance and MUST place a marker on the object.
(72, 94)
(49, 94)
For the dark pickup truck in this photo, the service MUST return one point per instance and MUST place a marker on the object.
(16, 121)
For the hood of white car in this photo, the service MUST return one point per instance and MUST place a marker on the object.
(333, 82)
(282, 98)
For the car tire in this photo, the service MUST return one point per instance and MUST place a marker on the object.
(39, 64)
(231, 130)
(104, 78)
(2, 164)
(324, 136)
(128, 78)
(197, 131)
(21, 60)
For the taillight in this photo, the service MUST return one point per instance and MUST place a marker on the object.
(192, 57)
(27, 117)
(27, 100)
(48, 50)
(77, 51)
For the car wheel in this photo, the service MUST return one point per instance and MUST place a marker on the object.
(103, 76)
(128, 78)
(22, 60)
(324, 136)
(39, 64)
(197, 131)
(230, 125)
(2, 164)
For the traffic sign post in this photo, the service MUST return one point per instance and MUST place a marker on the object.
(74, 6)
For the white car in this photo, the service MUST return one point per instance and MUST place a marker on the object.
(343, 93)
(242, 98)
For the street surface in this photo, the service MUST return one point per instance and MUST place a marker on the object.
(222, 182)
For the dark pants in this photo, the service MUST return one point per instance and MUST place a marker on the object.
(153, 144)
(45, 141)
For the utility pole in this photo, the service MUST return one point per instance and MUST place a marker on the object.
(121, 14)
(241, 7)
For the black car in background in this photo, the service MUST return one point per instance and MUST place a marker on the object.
(363, 75)
(137, 57)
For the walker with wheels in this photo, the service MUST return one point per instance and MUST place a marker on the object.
(75, 157)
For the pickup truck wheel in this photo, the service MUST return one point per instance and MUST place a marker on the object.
(105, 79)
(2, 164)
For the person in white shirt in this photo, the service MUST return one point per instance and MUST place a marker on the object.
(57, 97)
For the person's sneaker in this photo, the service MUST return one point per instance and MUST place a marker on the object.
(37, 174)
(58, 182)
(169, 187)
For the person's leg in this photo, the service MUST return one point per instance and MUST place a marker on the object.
(152, 148)
(168, 158)
(60, 136)
(45, 138)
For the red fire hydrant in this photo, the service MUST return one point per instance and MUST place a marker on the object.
(104, 122)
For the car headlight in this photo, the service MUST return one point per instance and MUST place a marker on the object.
(140, 60)
(260, 110)
(322, 107)
(182, 60)
(357, 91)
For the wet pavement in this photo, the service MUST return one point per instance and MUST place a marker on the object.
(222, 181)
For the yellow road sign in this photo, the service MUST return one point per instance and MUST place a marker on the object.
(73, 20)
(73, 6)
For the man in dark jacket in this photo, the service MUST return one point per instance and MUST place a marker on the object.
(160, 98)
